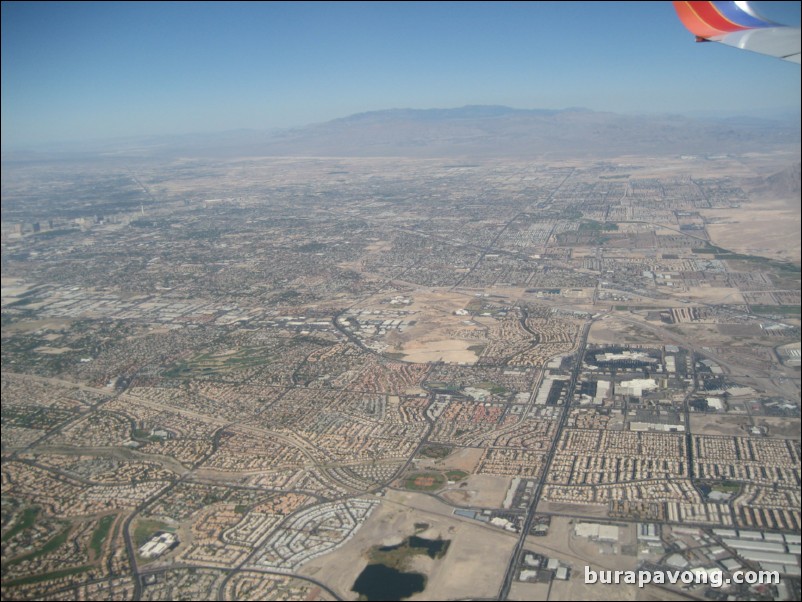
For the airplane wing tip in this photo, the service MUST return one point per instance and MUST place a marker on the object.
(737, 24)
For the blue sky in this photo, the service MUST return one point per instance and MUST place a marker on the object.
(77, 71)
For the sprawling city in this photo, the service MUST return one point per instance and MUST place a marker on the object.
(341, 378)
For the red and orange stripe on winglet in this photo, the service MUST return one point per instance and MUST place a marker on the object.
(712, 19)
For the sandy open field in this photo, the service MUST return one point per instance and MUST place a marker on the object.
(483, 490)
(576, 589)
(529, 591)
(785, 427)
(612, 330)
(770, 229)
(720, 424)
(586, 510)
(436, 336)
(473, 566)
(438, 333)
(33, 325)
(445, 350)
(711, 294)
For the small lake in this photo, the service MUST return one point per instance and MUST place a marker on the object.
(434, 547)
(381, 582)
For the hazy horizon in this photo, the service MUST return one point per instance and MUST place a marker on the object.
(778, 115)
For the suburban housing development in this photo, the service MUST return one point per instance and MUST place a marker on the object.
(274, 378)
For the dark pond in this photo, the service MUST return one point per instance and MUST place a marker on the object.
(434, 547)
(380, 582)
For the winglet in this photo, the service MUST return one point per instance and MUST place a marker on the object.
(738, 24)
(711, 19)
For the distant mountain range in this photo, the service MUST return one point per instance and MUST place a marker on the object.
(478, 131)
